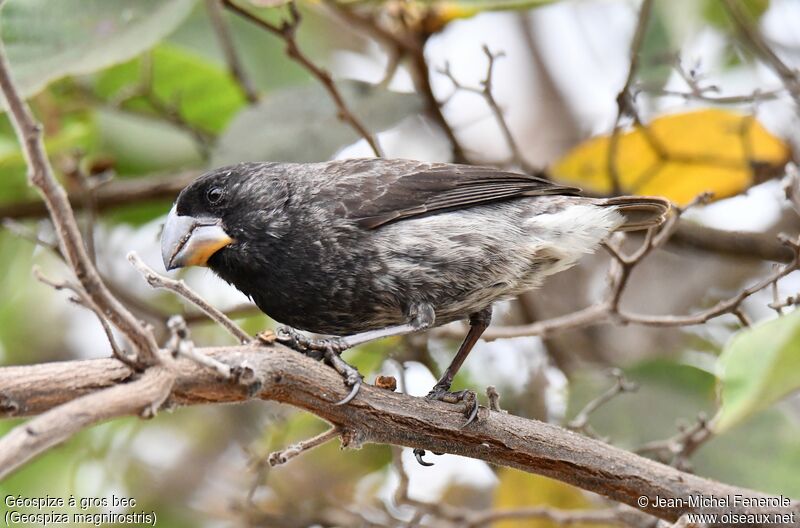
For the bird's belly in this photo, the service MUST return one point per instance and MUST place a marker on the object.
(459, 263)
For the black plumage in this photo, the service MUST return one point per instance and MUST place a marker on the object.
(354, 246)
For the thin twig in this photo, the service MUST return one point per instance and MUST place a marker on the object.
(621, 385)
(701, 93)
(84, 300)
(180, 344)
(494, 398)
(179, 287)
(287, 31)
(22, 231)
(625, 102)
(278, 458)
(404, 43)
(609, 311)
(235, 67)
(751, 36)
(88, 186)
(677, 450)
(486, 92)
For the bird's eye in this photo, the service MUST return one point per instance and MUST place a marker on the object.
(214, 195)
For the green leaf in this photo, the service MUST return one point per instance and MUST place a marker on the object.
(715, 13)
(758, 367)
(202, 92)
(762, 453)
(139, 144)
(669, 392)
(47, 40)
(301, 124)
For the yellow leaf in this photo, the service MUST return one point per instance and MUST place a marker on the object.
(679, 156)
(522, 490)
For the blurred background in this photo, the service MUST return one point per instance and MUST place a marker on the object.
(137, 98)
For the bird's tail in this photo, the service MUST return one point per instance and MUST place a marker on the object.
(639, 212)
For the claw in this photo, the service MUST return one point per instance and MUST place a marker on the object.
(418, 454)
(291, 338)
(468, 397)
(351, 376)
(347, 399)
(328, 349)
(472, 415)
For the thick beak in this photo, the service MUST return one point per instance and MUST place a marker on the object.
(189, 241)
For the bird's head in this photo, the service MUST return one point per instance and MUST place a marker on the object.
(223, 211)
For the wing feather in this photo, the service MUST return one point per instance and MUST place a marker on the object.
(403, 189)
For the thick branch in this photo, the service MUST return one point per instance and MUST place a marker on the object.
(140, 397)
(375, 415)
(732, 243)
(113, 194)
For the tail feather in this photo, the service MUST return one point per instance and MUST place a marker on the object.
(639, 212)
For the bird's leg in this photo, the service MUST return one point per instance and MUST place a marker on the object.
(330, 349)
(478, 323)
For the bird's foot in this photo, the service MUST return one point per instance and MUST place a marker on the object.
(313, 347)
(443, 394)
(468, 397)
(327, 349)
(352, 378)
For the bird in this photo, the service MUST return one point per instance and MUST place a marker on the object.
(360, 249)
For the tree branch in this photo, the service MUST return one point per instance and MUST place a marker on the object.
(375, 415)
(178, 286)
(486, 92)
(235, 67)
(70, 241)
(139, 397)
(115, 193)
(755, 41)
(286, 31)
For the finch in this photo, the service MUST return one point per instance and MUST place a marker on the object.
(367, 248)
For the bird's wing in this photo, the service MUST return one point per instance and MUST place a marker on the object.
(402, 190)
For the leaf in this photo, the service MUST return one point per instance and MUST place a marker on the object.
(669, 392)
(204, 94)
(519, 490)
(714, 11)
(139, 144)
(706, 150)
(301, 124)
(761, 454)
(759, 366)
(47, 40)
